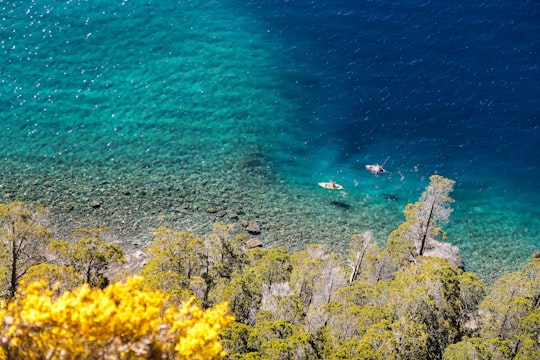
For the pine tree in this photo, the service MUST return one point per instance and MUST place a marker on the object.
(423, 222)
(91, 257)
(24, 239)
(430, 212)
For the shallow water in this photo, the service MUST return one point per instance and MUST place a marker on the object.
(187, 113)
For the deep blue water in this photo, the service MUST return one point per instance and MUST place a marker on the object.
(321, 88)
(453, 83)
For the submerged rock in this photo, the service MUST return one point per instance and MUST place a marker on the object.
(390, 197)
(253, 243)
(253, 228)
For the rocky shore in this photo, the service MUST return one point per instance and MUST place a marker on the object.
(246, 193)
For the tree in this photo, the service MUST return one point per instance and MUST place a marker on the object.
(367, 262)
(89, 256)
(225, 251)
(431, 212)
(472, 291)
(339, 337)
(235, 338)
(280, 303)
(421, 311)
(423, 221)
(429, 293)
(316, 274)
(122, 321)
(357, 252)
(468, 348)
(532, 272)
(315, 278)
(23, 242)
(400, 339)
(243, 291)
(529, 330)
(281, 340)
(176, 264)
(274, 264)
(510, 311)
(509, 318)
(508, 302)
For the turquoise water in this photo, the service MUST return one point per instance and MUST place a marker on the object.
(187, 113)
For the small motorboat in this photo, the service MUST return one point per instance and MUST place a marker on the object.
(375, 169)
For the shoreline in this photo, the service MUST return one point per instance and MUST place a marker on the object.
(196, 196)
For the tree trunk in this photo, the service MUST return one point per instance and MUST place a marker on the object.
(13, 286)
(423, 242)
(357, 265)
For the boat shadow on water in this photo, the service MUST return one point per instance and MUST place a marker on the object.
(341, 204)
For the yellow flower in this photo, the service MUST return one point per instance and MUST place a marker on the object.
(121, 321)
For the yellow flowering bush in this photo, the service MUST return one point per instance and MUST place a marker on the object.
(122, 321)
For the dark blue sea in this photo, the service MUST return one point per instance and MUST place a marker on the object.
(184, 113)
